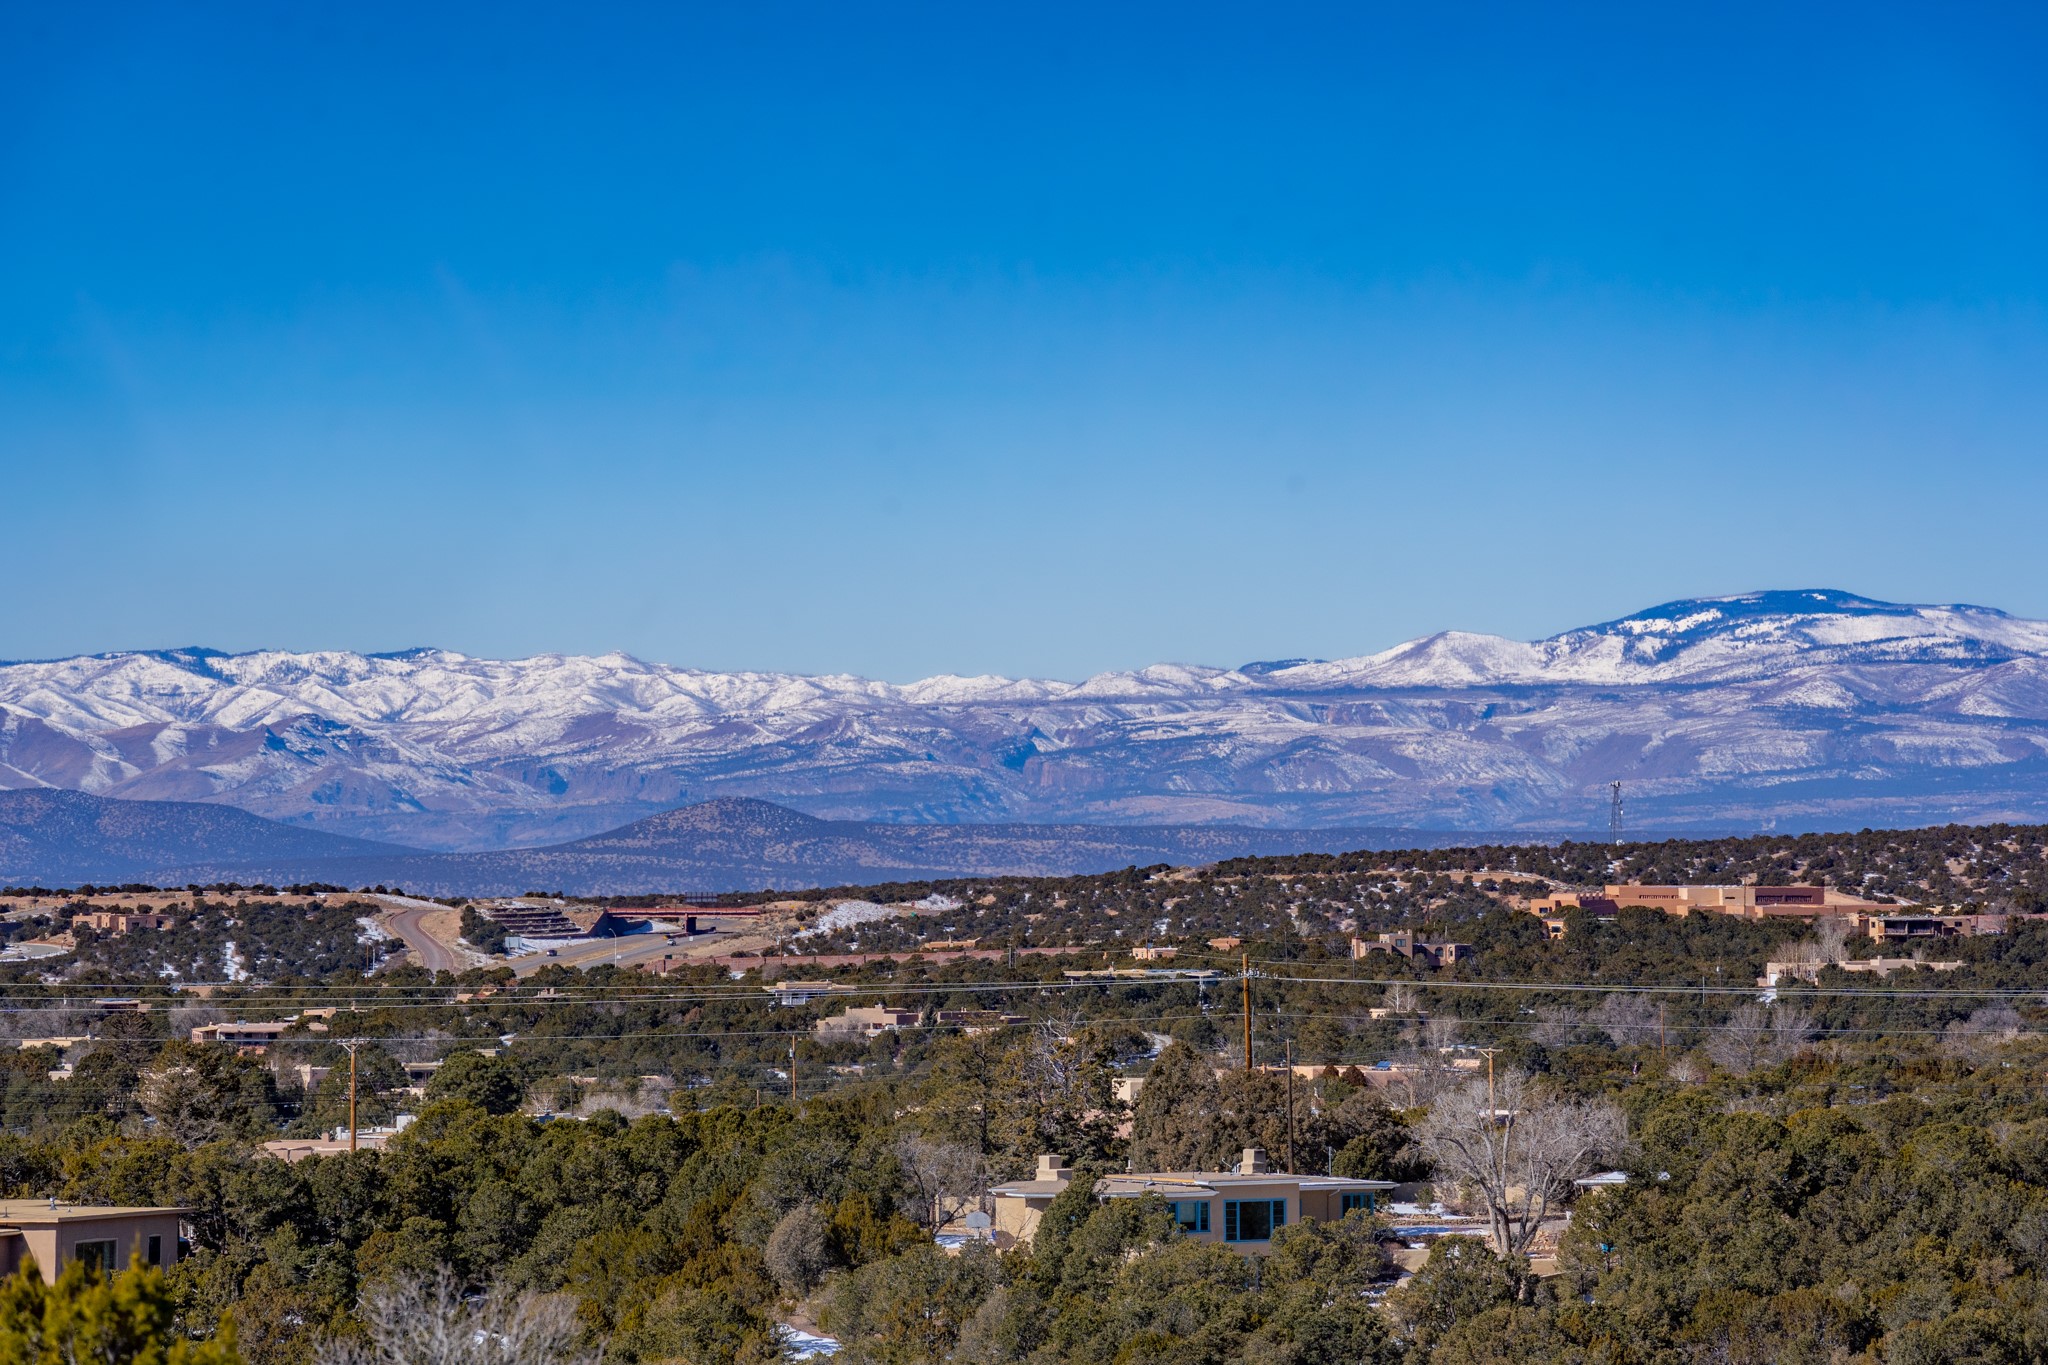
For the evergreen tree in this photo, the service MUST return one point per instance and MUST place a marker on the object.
(1171, 1128)
(128, 1319)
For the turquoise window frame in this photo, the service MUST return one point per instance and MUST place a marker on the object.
(1191, 1214)
(1237, 1227)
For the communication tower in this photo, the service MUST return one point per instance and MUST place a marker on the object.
(1614, 817)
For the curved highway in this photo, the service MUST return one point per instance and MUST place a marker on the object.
(404, 920)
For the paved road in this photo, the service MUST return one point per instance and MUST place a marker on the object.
(633, 948)
(404, 921)
(27, 952)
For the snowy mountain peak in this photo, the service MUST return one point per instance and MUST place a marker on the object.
(1744, 699)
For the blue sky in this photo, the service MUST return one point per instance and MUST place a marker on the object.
(1034, 340)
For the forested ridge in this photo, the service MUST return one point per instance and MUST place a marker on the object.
(1853, 1171)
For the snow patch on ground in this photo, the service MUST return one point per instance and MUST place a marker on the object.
(235, 967)
(938, 903)
(802, 1345)
(846, 914)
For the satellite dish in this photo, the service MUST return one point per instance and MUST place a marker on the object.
(977, 1220)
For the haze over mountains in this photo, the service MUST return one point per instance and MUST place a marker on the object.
(53, 838)
(1787, 709)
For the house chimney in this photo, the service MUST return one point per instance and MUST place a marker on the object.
(1254, 1162)
(1052, 1167)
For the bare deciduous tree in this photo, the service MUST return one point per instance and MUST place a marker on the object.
(1518, 1149)
(1628, 1020)
(425, 1048)
(188, 1107)
(1831, 936)
(935, 1172)
(1986, 1028)
(1754, 1036)
(1556, 1025)
(798, 1251)
(1427, 1072)
(430, 1323)
(30, 1022)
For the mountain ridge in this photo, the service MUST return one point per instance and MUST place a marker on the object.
(1809, 705)
(52, 838)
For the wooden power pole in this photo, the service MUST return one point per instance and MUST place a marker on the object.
(1245, 972)
(1289, 1054)
(1492, 1109)
(351, 1046)
(792, 1071)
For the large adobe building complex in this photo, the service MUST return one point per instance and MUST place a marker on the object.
(1746, 902)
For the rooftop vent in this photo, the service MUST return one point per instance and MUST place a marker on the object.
(1254, 1162)
(1052, 1167)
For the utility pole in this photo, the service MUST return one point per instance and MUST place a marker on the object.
(1245, 970)
(1289, 1054)
(352, 1045)
(1660, 1034)
(1492, 1110)
(792, 1071)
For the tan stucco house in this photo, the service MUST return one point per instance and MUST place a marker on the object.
(1241, 1207)
(58, 1234)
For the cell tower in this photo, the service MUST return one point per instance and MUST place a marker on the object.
(1614, 818)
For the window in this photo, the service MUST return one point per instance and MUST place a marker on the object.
(155, 1255)
(1252, 1220)
(1359, 1200)
(1191, 1214)
(97, 1256)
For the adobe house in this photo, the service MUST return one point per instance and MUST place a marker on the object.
(1241, 1207)
(1404, 943)
(122, 921)
(105, 1237)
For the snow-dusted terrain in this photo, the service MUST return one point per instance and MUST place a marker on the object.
(1801, 708)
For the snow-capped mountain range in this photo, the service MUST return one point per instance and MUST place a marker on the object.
(1789, 709)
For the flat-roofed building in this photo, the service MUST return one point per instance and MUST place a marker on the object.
(335, 1143)
(804, 992)
(246, 1036)
(1404, 943)
(1776, 973)
(976, 1021)
(107, 1238)
(1241, 1208)
(1748, 902)
(866, 1021)
(122, 921)
(1891, 928)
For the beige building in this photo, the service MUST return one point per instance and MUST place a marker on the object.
(121, 921)
(57, 1234)
(1891, 928)
(976, 1021)
(791, 993)
(336, 1143)
(1776, 973)
(1404, 943)
(866, 1021)
(1241, 1208)
(1746, 902)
